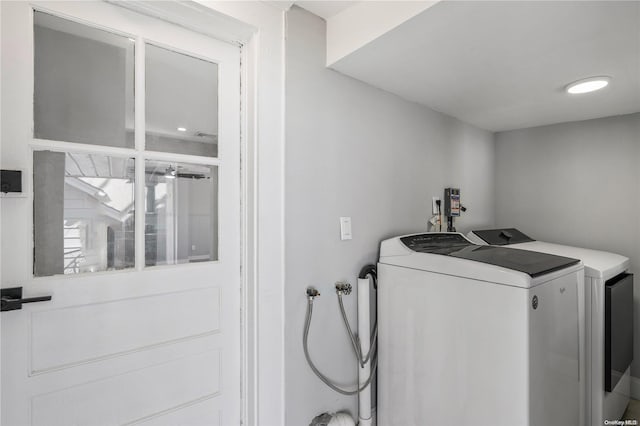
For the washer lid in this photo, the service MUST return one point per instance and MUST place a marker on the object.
(503, 236)
(531, 263)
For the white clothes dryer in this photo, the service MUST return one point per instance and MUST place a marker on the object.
(476, 335)
(608, 305)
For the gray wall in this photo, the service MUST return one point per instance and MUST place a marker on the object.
(575, 183)
(353, 150)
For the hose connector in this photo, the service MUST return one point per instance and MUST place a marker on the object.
(343, 287)
(312, 293)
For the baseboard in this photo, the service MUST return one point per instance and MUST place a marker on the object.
(635, 388)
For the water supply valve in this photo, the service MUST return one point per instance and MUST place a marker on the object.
(343, 287)
(312, 293)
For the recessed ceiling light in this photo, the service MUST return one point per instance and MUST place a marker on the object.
(587, 85)
(132, 39)
(182, 129)
(101, 193)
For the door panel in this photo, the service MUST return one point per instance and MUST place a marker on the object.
(207, 410)
(59, 340)
(153, 345)
(186, 381)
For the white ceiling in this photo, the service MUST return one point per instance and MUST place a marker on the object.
(325, 8)
(503, 65)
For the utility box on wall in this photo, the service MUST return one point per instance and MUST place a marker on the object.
(11, 184)
(452, 202)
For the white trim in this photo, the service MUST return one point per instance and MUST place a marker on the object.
(52, 145)
(249, 252)
(140, 209)
(139, 95)
(265, 272)
(139, 129)
(282, 176)
(171, 157)
(175, 49)
(194, 17)
(39, 6)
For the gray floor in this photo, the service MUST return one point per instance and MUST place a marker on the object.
(633, 411)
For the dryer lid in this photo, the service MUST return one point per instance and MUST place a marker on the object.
(531, 263)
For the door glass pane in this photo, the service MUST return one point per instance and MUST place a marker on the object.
(181, 103)
(181, 211)
(83, 87)
(83, 213)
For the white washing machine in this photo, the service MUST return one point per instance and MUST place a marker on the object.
(608, 305)
(476, 335)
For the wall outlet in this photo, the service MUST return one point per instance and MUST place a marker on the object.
(434, 205)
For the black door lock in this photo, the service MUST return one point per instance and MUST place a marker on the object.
(11, 299)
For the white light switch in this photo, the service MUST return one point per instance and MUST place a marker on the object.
(345, 228)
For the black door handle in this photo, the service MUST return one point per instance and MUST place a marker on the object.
(11, 299)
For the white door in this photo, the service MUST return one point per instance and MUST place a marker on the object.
(126, 130)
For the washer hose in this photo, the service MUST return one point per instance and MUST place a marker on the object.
(321, 376)
(354, 341)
